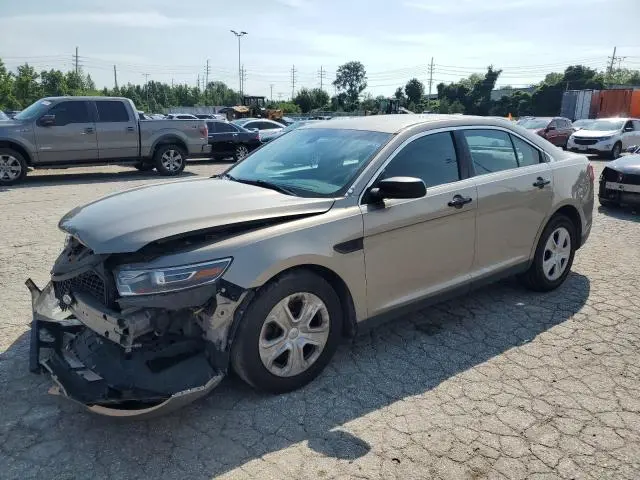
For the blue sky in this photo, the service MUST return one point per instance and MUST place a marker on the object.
(395, 39)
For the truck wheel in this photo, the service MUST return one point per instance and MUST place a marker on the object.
(615, 151)
(13, 167)
(170, 160)
(240, 153)
(288, 333)
(554, 255)
(144, 167)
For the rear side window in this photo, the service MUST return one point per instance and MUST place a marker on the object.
(431, 158)
(491, 151)
(223, 127)
(70, 112)
(111, 111)
(526, 154)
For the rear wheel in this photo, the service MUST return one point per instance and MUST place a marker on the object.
(554, 255)
(13, 167)
(288, 333)
(170, 160)
(240, 152)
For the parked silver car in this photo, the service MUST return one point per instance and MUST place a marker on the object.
(266, 267)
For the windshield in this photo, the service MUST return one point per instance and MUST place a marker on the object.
(582, 123)
(532, 123)
(311, 162)
(34, 110)
(605, 125)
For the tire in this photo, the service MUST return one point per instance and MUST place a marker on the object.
(535, 278)
(144, 167)
(615, 151)
(608, 203)
(255, 349)
(170, 160)
(240, 152)
(13, 167)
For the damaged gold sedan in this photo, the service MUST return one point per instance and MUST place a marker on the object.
(160, 290)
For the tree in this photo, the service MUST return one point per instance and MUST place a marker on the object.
(26, 86)
(624, 76)
(351, 78)
(414, 90)
(53, 83)
(309, 100)
(7, 98)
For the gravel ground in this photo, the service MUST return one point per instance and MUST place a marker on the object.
(503, 383)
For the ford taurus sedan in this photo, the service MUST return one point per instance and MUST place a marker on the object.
(162, 289)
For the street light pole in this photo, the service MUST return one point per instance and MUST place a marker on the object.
(239, 36)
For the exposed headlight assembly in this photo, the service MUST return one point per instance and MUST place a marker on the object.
(132, 281)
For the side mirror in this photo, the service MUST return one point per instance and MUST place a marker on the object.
(47, 120)
(397, 187)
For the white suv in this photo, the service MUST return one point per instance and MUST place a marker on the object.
(606, 136)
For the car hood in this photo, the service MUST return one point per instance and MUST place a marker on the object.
(127, 221)
(595, 133)
(626, 164)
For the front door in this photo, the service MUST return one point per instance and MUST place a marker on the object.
(223, 137)
(419, 247)
(117, 131)
(71, 138)
(515, 192)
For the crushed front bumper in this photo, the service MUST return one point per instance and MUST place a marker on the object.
(104, 377)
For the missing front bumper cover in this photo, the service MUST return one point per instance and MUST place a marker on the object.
(104, 376)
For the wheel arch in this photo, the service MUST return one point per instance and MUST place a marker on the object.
(18, 148)
(349, 325)
(568, 210)
(169, 140)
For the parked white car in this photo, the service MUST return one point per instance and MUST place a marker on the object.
(267, 129)
(606, 137)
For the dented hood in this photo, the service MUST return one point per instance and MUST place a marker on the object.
(127, 221)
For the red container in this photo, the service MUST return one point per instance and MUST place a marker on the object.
(615, 103)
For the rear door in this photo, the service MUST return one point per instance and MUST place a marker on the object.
(515, 193)
(419, 247)
(222, 137)
(72, 137)
(117, 131)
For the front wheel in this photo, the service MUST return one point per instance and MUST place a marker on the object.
(554, 255)
(288, 333)
(170, 160)
(616, 151)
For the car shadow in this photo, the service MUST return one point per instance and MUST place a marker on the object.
(235, 425)
(48, 180)
(624, 212)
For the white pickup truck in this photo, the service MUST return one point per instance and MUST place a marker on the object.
(63, 132)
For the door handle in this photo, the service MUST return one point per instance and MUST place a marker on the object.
(130, 129)
(459, 201)
(87, 130)
(541, 182)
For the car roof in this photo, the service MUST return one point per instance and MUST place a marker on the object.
(397, 123)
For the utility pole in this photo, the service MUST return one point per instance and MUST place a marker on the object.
(293, 81)
(207, 70)
(76, 60)
(146, 86)
(322, 74)
(244, 78)
(613, 59)
(271, 92)
(430, 81)
(115, 77)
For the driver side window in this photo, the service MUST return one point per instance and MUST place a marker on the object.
(70, 112)
(431, 158)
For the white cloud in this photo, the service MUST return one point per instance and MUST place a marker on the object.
(467, 6)
(140, 19)
(293, 3)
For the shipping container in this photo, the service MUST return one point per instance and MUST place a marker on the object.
(583, 104)
(634, 111)
(615, 103)
(568, 106)
(595, 104)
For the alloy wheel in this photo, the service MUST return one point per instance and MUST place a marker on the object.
(241, 152)
(556, 254)
(10, 168)
(172, 160)
(617, 150)
(294, 334)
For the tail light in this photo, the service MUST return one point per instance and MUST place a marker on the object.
(204, 131)
(592, 175)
